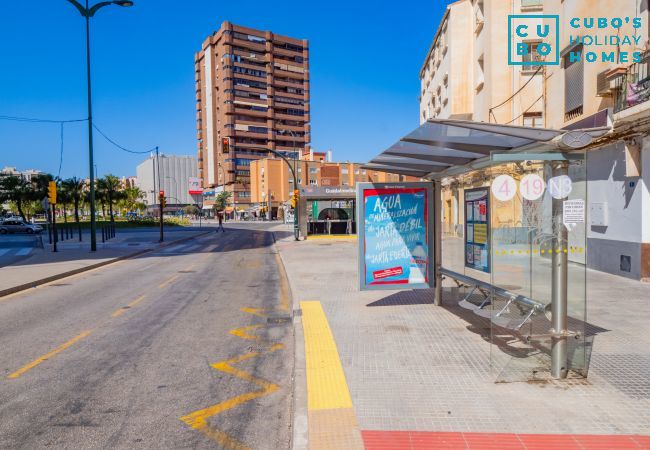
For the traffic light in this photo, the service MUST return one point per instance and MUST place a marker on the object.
(51, 192)
(225, 145)
(161, 197)
(294, 198)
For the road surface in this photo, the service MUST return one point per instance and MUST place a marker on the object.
(186, 347)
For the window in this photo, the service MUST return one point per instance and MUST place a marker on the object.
(313, 170)
(344, 171)
(313, 182)
(531, 54)
(534, 119)
(573, 83)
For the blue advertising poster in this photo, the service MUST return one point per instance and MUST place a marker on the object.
(477, 229)
(396, 243)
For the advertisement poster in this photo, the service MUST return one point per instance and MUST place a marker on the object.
(477, 228)
(396, 236)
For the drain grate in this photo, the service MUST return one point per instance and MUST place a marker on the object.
(186, 271)
(279, 319)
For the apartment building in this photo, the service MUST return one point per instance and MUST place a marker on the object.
(571, 95)
(271, 178)
(443, 95)
(252, 95)
(594, 93)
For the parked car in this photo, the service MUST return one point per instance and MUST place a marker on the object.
(19, 226)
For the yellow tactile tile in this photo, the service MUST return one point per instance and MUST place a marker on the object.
(326, 385)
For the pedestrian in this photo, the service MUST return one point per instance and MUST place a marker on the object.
(220, 218)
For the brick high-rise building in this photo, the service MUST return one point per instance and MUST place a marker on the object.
(252, 93)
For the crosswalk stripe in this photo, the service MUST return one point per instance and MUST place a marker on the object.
(24, 251)
(4, 250)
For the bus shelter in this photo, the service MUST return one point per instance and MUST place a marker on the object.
(509, 235)
(327, 210)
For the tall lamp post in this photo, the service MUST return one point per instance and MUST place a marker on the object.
(89, 12)
(296, 228)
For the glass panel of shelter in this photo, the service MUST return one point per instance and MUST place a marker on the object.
(509, 241)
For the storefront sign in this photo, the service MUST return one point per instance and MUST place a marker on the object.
(195, 186)
(395, 235)
(477, 229)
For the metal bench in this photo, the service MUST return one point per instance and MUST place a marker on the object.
(531, 307)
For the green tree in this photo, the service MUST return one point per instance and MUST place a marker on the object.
(22, 193)
(74, 187)
(191, 210)
(132, 199)
(221, 201)
(15, 190)
(113, 188)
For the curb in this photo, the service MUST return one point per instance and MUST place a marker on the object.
(300, 422)
(33, 284)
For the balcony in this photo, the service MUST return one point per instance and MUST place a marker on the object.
(632, 85)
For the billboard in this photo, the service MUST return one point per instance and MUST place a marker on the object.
(195, 186)
(395, 223)
(477, 229)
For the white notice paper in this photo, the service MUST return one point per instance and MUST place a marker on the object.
(573, 212)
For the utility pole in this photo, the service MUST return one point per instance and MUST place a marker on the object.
(161, 196)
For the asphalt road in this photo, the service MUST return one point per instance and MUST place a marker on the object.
(154, 352)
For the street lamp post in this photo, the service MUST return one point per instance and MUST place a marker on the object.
(296, 228)
(89, 12)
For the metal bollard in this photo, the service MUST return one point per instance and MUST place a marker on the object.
(61, 234)
(103, 234)
(79, 234)
(49, 232)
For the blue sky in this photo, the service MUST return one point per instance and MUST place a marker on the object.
(365, 59)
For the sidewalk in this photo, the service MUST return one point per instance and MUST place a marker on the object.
(73, 256)
(421, 376)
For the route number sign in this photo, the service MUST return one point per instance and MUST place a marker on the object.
(504, 188)
(560, 187)
(531, 187)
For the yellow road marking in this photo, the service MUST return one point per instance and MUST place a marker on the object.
(122, 310)
(243, 332)
(47, 356)
(198, 419)
(260, 312)
(326, 384)
(167, 281)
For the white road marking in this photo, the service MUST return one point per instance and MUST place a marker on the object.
(4, 250)
(24, 251)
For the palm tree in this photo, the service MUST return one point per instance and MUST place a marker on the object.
(74, 187)
(24, 193)
(221, 201)
(132, 198)
(15, 190)
(112, 187)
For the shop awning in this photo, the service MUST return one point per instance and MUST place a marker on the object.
(442, 147)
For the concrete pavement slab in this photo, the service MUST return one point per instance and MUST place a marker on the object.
(412, 366)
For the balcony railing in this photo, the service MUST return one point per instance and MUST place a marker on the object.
(633, 86)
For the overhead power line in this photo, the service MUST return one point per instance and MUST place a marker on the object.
(119, 146)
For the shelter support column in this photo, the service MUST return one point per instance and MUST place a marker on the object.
(559, 281)
(437, 242)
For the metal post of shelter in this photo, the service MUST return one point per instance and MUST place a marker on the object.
(437, 242)
(559, 279)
